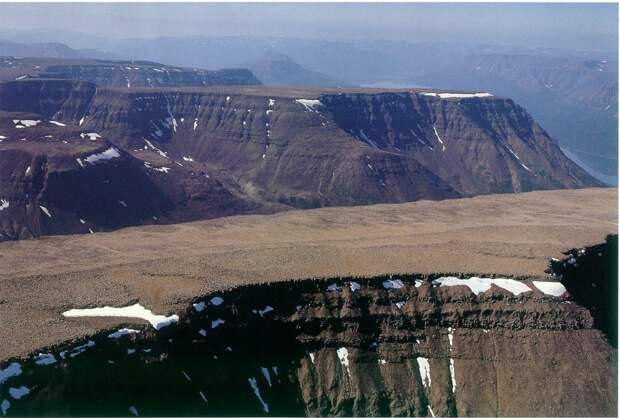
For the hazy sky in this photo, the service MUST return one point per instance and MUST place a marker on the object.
(575, 26)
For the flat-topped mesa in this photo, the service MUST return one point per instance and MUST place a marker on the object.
(456, 95)
(125, 74)
(225, 150)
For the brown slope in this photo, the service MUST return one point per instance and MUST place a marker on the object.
(164, 267)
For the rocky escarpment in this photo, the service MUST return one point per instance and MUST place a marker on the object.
(590, 274)
(575, 99)
(394, 345)
(124, 74)
(221, 151)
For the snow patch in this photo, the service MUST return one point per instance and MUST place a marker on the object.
(333, 287)
(452, 377)
(309, 104)
(108, 154)
(452, 374)
(45, 359)
(393, 284)
(12, 370)
(216, 301)
(4, 406)
(133, 311)
(480, 285)
(456, 95)
(443, 146)
(425, 371)
(45, 210)
(343, 356)
(518, 159)
(3, 204)
(53, 122)
(217, 323)
(122, 332)
(265, 310)
(266, 375)
(76, 351)
(18, 393)
(154, 148)
(25, 123)
(254, 384)
(556, 289)
(93, 136)
(199, 307)
(158, 169)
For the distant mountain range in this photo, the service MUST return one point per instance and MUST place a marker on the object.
(44, 50)
(274, 69)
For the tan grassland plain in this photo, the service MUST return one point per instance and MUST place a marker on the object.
(166, 267)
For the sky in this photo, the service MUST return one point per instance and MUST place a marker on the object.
(574, 25)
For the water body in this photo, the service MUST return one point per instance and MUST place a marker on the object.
(605, 178)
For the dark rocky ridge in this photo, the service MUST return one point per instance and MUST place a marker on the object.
(506, 355)
(204, 153)
(126, 74)
(591, 275)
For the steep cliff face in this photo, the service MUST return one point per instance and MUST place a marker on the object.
(393, 345)
(591, 275)
(47, 98)
(575, 99)
(212, 152)
(477, 145)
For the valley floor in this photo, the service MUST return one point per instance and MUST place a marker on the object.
(166, 267)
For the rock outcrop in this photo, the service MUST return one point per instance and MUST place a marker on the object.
(411, 345)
